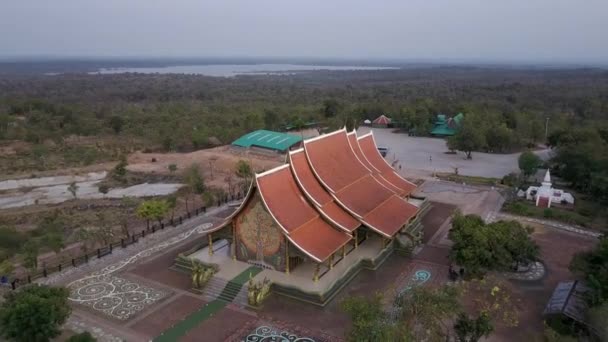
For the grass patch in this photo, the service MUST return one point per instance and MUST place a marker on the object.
(469, 179)
(584, 215)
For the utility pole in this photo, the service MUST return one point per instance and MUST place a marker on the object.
(546, 129)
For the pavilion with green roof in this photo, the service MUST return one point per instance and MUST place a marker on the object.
(280, 142)
(445, 127)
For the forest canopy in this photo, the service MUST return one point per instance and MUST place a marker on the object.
(509, 107)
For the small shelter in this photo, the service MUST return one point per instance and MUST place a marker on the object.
(444, 126)
(268, 140)
(568, 303)
(382, 121)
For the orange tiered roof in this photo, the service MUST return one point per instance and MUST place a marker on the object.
(354, 144)
(351, 183)
(317, 194)
(300, 221)
(368, 146)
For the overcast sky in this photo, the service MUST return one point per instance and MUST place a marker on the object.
(493, 30)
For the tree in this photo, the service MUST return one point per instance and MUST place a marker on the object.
(153, 210)
(172, 203)
(243, 170)
(73, 188)
(30, 254)
(598, 320)
(120, 170)
(528, 163)
(468, 138)
(6, 268)
(479, 247)
(472, 330)
(34, 313)
(116, 122)
(593, 265)
(103, 188)
(493, 297)
(368, 318)
(330, 108)
(194, 183)
(172, 168)
(82, 337)
(424, 311)
(271, 119)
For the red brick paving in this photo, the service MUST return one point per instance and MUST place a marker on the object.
(434, 218)
(330, 319)
(165, 317)
(157, 269)
(436, 255)
(218, 328)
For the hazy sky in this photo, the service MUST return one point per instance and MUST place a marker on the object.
(522, 30)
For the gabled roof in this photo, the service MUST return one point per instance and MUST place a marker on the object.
(339, 170)
(268, 139)
(382, 120)
(301, 223)
(315, 192)
(569, 299)
(381, 167)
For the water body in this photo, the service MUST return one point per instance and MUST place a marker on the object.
(231, 70)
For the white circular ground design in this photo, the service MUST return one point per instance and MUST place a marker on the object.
(118, 297)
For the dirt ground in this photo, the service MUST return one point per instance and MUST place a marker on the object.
(557, 249)
(216, 163)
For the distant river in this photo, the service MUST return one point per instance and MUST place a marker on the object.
(222, 70)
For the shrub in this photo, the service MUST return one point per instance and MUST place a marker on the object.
(548, 213)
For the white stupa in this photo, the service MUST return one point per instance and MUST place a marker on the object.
(546, 194)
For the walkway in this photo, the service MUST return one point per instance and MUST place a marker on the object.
(553, 224)
(191, 321)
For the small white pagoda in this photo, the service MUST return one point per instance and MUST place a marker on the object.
(545, 195)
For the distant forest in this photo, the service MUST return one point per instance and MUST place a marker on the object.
(78, 119)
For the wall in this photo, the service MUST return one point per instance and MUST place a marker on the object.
(258, 237)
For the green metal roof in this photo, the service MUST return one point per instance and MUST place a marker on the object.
(443, 130)
(268, 139)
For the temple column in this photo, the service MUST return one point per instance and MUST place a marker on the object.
(315, 277)
(331, 261)
(356, 238)
(343, 251)
(286, 256)
(210, 244)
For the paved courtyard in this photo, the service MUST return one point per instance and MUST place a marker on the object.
(428, 154)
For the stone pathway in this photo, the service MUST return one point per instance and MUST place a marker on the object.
(494, 216)
(536, 271)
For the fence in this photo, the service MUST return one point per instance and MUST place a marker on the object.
(122, 243)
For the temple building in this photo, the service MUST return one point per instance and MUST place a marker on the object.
(445, 127)
(545, 195)
(334, 208)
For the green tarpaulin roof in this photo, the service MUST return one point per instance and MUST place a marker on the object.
(268, 139)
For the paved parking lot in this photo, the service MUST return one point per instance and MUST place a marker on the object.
(428, 154)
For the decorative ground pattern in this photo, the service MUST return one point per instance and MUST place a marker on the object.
(118, 297)
(115, 296)
(420, 277)
(269, 334)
